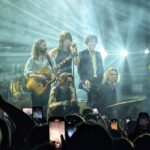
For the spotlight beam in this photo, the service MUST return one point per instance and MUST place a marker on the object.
(30, 14)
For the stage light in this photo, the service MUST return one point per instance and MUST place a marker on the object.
(146, 51)
(124, 53)
(104, 54)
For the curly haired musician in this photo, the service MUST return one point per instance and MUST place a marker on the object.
(62, 97)
(90, 67)
(33, 71)
(65, 49)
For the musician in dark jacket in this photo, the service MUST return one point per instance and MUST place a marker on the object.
(37, 61)
(90, 67)
(106, 93)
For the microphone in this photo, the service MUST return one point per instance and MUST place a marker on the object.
(73, 48)
(73, 45)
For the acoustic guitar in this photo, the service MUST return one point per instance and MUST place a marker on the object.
(38, 87)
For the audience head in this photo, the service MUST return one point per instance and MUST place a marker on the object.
(86, 111)
(90, 136)
(130, 127)
(91, 118)
(5, 139)
(44, 146)
(122, 144)
(38, 135)
(0, 136)
(143, 123)
(142, 142)
(75, 117)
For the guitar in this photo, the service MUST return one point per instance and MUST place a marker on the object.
(57, 69)
(38, 87)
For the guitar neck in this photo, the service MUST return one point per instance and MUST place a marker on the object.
(66, 59)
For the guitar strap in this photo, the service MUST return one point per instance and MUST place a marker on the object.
(49, 61)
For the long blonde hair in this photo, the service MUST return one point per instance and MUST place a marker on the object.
(107, 73)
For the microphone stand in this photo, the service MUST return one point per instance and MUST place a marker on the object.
(73, 71)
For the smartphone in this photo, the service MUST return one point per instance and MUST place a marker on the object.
(56, 129)
(95, 111)
(37, 113)
(70, 127)
(114, 124)
(27, 110)
(128, 119)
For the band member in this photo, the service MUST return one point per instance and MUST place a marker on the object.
(33, 71)
(62, 97)
(62, 54)
(90, 67)
(106, 93)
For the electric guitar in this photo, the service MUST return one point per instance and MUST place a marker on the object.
(37, 86)
(57, 68)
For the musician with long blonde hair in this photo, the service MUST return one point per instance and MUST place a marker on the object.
(106, 94)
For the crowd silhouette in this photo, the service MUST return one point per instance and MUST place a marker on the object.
(19, 131)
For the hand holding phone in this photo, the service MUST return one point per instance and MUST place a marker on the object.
(143, 122)
(95, 111)
(56, 130)
(37, 113)
(70, 127)
(27, 110)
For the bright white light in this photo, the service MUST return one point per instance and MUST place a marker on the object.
(104, 54)
(146, 51)
(124, 53)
